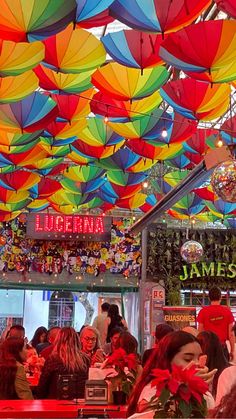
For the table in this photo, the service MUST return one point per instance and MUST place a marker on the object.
(55, 409)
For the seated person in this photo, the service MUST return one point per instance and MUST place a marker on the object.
(161, 330)
(110, 347)
(66, 358)
(13, 381)
(90, 345)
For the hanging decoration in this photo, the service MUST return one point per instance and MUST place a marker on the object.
(191, 251)
(223, 181)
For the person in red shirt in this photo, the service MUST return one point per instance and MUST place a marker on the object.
(218, 319)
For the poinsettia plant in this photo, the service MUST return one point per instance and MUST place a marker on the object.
(179, 393)
(125, 366)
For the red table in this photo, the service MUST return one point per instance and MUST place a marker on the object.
(55, 409)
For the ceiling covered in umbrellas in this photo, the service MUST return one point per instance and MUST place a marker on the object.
(105, 105)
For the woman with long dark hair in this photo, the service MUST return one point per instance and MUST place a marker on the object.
(13, 381)
(40, 336)
(212, 347)
(114, 319)
(179, 348)
(227, 406)
(66, 358)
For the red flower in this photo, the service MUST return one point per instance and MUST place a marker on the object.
(187, 383)
(120, 359)
(161, 379)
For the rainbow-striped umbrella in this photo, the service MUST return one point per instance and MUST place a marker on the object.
(124, 83)
(83, 173)
(73, 107)
(10, 139)
(19, 180)
(185, 51)
(133, 48)
(87, 11)
(62, 133)
(24, 20)
(73, 51)
(29, 114)
(15, 88)
(157, 15)
(196, 100)
(121, 178)
(63, 83)
(16, 58)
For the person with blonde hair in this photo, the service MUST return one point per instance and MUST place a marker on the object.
(66, 358)
(90, 344)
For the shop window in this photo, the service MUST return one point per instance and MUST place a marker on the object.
(61, 309)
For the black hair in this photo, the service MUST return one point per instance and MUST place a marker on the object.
(105, 306)
(214, 294)
(162, 330)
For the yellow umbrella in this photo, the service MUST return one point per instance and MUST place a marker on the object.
(15, 88)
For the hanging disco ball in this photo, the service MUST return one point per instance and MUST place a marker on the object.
(191, 251)
(223, 181)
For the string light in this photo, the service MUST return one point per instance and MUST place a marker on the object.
(164, 133)
(145, 184)
(219, 143)
(106, 119)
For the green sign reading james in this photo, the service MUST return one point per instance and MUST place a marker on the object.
(201, 269)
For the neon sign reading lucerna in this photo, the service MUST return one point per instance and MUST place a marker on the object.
(69, 224)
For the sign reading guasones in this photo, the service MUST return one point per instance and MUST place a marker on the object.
(202, 269)
(81, 227)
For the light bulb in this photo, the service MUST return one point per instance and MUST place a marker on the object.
(145, 184)
(219, 143)
(106, 119)
(164, 133)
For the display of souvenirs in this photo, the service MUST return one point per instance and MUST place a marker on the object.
(122, 255)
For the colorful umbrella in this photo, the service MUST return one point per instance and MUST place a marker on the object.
(180, 162)
(84, 188)
(223, 75)
(133, 202)
(73, 51)
(80, 159)
(121, 178)
(83, 173)
(182, 129)
(38, 205)
(15, 88)
(148, 127)
(21, 20)
(206, 193)
(10, 139)
(20, 180)
(228, 6)
(63, 83)
(16, 58)
(133, 48)
(157, 15)
(141, 165)
(105, 105)
(100, 19)
(62, 133)
(28, 115)
(97, 134)
(154, 152)
(54, 150)
(46, 187)
(43, 163)
(73, 107)
(124, 83)
(121, 160)
(150, 201)
(11, 197)
(87, 10)
(197, 143)
(120, 191)
(189, 205)
(100, 152)
(20, 148)
(196, 100)
(184, 51)
(221, 208)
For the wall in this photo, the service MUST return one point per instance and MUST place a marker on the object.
(35, 312)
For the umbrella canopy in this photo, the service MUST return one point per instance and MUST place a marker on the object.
(96, 133)
(98, 152)
(133, 202)
(121, 160)
(10, 139)
(21, 20)
(61, 133)
(196, 100)
(104, 104)
(84, 188)
(133, 48)
(121, 178)
(154, 152)
(182, 129)
(29, 114)
(73, 107)
(16, 58)
(83, 173)
(124, 83)
(15, 88)
(184, 51)
(225, 74)
(228, 130)
(87, 10)
(157, 15)
(73, 51)
(148, 127)
(19, 180)
(63, 83)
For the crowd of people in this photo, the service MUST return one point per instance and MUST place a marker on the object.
(61, 351)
